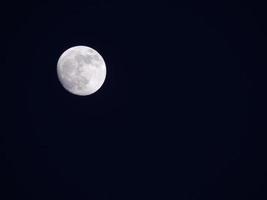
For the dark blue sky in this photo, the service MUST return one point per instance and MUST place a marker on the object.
(178, 117)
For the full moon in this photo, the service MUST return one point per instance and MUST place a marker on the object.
(81, 70)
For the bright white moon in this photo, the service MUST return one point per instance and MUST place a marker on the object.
(81, 70)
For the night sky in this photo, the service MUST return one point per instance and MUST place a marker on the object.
(180, 115)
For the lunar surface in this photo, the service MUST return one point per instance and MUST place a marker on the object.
(81, 70)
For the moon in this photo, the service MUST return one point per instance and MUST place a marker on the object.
(81, 70)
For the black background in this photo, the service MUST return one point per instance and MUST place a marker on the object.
(180, 116)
